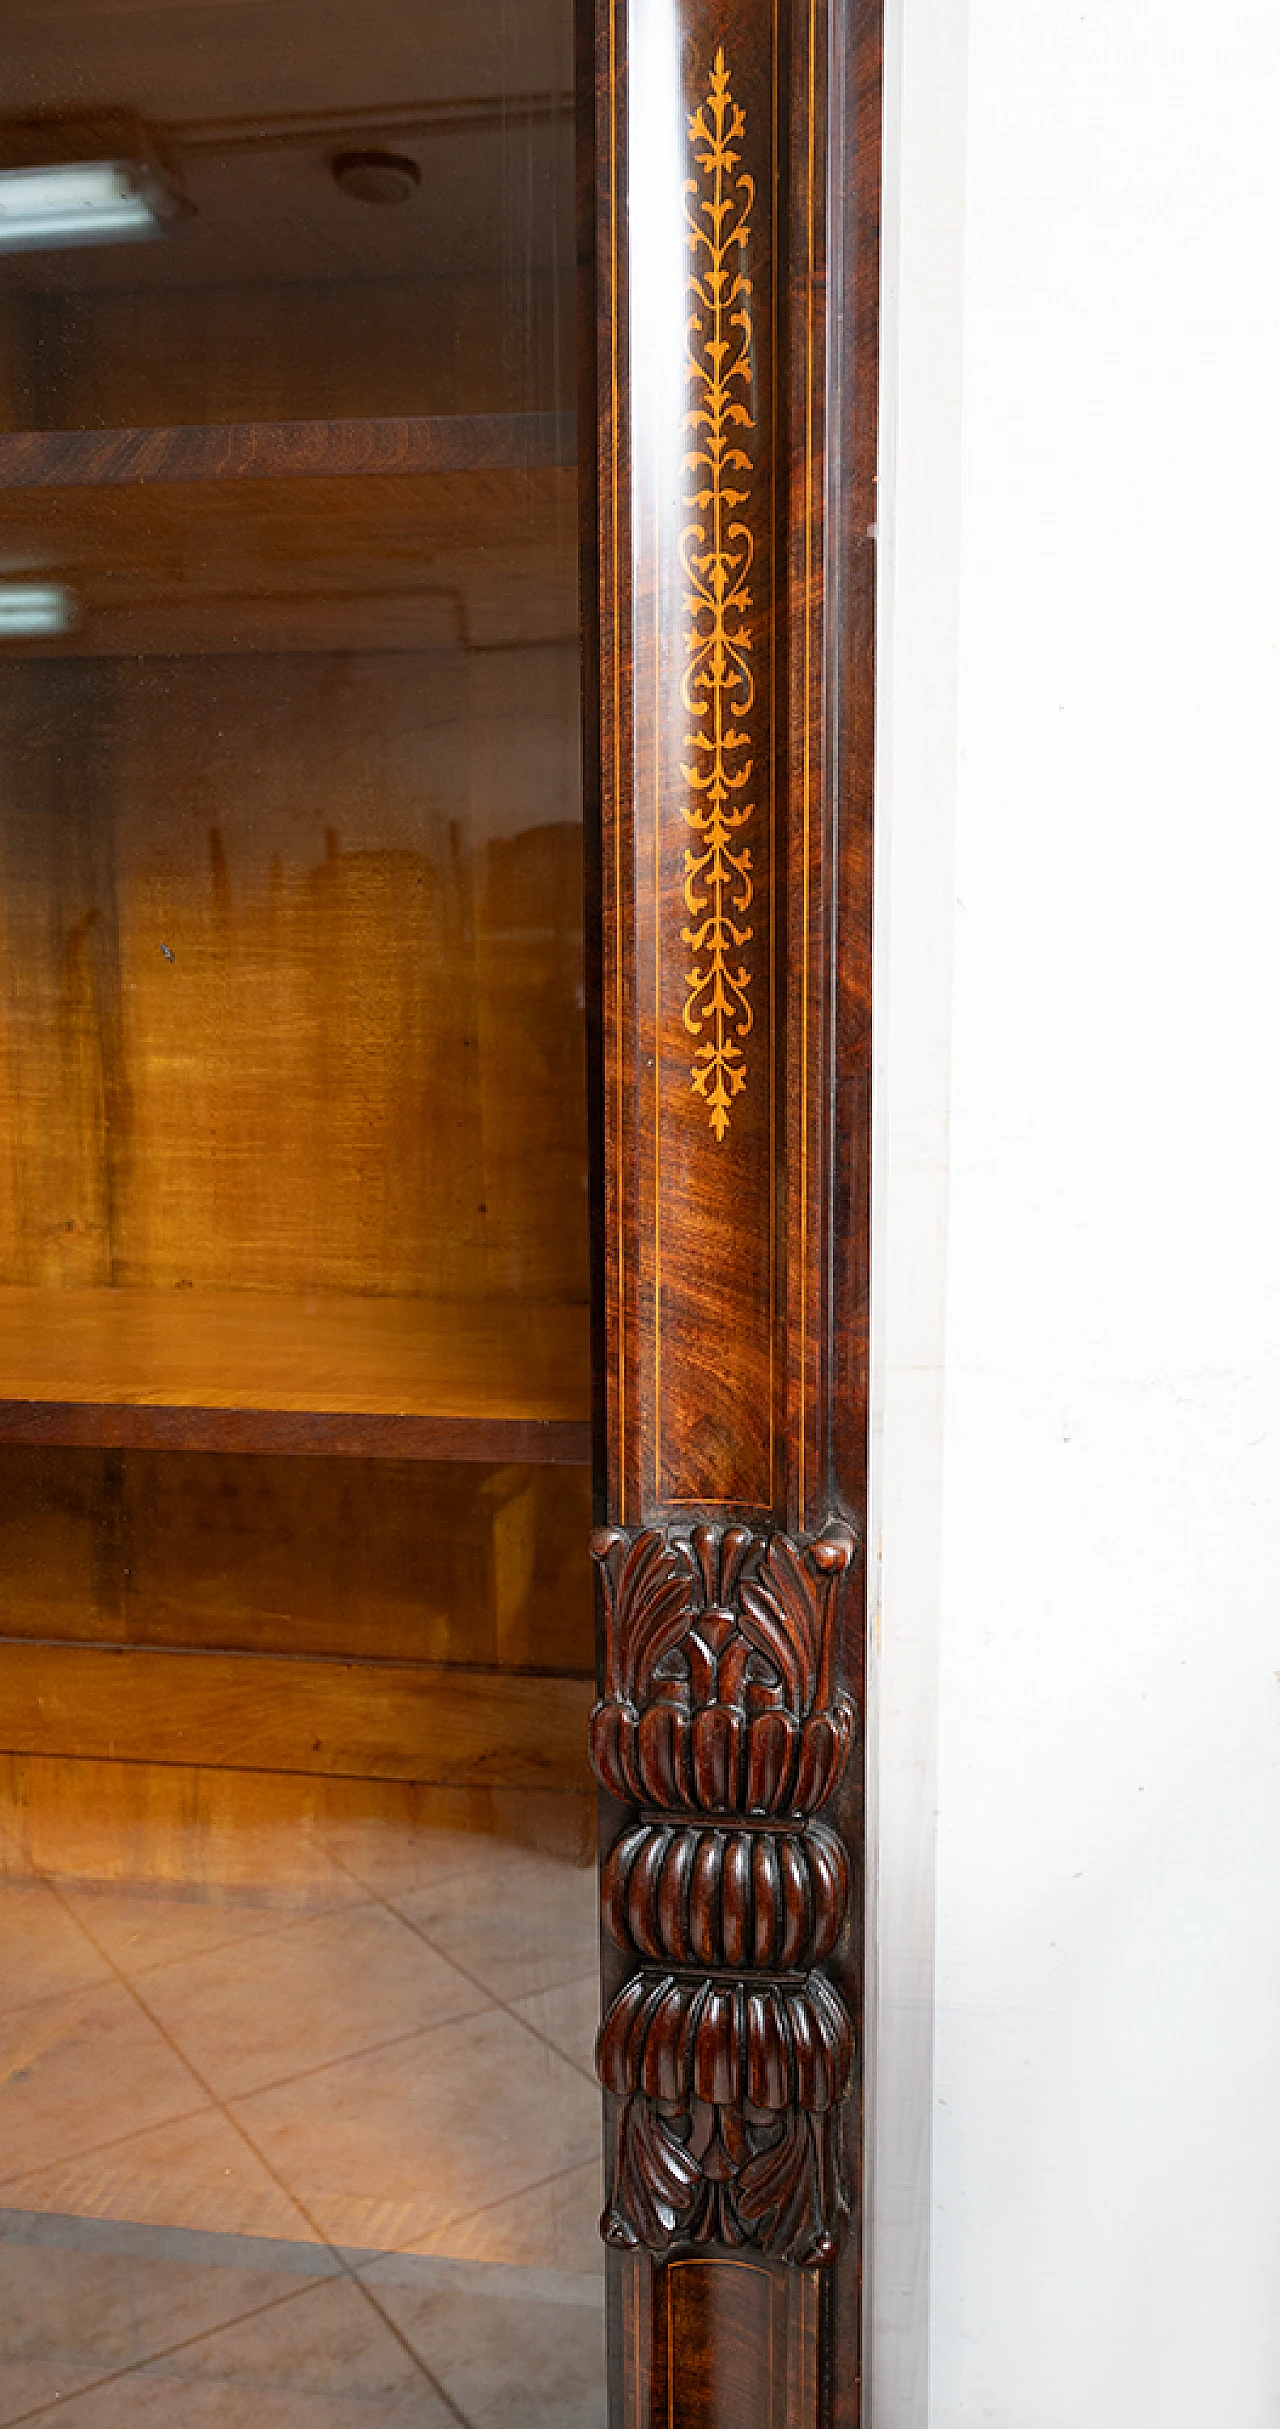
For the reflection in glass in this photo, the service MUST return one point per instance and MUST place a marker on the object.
(297, 1906)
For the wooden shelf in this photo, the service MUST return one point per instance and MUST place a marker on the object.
(454, 1728)
(284, 1373)
(406, 533)
(325, 450)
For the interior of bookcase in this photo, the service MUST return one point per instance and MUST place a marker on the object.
(294, 1360)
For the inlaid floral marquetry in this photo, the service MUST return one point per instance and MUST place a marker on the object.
(717, 550)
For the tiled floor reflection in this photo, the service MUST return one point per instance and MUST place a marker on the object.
(297, 2117)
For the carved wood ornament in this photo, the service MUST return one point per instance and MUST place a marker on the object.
(730, 157)
(728, 2049)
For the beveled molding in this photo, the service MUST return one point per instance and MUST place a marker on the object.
(728, 2050)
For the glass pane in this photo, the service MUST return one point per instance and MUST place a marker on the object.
(297, 1907)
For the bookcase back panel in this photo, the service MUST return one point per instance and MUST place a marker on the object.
(292, 974)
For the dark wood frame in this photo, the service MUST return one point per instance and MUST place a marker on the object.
(730, 249)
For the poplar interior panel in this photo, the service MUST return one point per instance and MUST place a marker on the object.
(480, 1364)
(291, 981)
(433, 342)
(361, 1720)
(294, 1360)
(480, 556)
(222, 1833)
(294, 450)
(380, 1559)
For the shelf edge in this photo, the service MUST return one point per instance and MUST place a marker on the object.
(295, 1433)
(308, 450)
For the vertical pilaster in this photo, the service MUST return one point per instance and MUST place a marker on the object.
(734, 163)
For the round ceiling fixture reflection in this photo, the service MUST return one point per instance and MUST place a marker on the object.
(378, 177)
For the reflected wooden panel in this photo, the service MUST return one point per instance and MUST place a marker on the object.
(278, 1006)
(327, 524)
(264, 1712)
(213, 1370)
(362, 535)
(379, 1559)
(243, 67)
(229, 451)
(322, 347)
(272, 1835)
(292, 1132)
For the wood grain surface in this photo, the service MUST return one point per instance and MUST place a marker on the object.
(362, 1720)
(466, 559)
(455, 1366)
(720, 2346)
(381, 1559)
(733, 232)
(296, 450)
(227, 1831)
(432, 339)
(226, 1349)
(290, 987)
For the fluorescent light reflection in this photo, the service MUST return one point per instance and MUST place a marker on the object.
(660, 267)
(90, 202)
(30, 609)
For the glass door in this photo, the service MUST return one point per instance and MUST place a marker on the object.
(298, 1961)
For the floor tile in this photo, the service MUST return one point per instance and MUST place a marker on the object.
(161, 1923)
(390, 2146)
(26, 2385)
(42, 1949)
(507, 2364)
(157, 2402)
(553, 2225)
(262, 2010)
(481, 2280)
(567, 2016)
(326, 2340)
(324, 2358)
(79, 2070)
(98, 2311)
(398, 1860)
(399, 1839)
(521, 1924)
(196, 2173)
(407, 2114)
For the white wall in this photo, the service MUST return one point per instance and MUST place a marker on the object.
(922, 312)
(1105, 2200)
